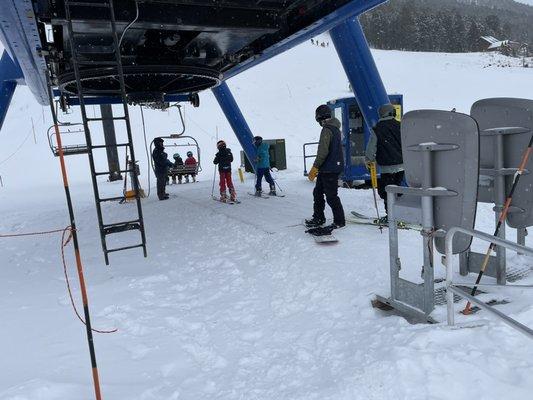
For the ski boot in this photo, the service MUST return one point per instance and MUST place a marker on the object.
(232, 195)
(223, 197)
(187, 179)
(272, 191)
(194, 178)
(258, 193)
(314, 222)
(383, 221)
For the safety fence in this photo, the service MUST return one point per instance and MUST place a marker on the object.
(452, 287)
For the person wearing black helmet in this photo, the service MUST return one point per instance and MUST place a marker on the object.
(385, 148)
(263, 167)
(326, 169)
(223, 159)
(178, 164)
(161, 166)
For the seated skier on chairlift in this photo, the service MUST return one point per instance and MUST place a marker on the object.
(178, 163)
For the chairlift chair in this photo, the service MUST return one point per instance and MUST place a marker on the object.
(173, 143)
(67, 129)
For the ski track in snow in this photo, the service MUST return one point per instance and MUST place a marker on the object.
(234, 301)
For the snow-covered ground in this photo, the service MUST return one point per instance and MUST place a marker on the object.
(235, 301)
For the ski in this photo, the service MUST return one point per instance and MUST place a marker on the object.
(276, 195)
(262, 196)
(227, 201)
(366, 220)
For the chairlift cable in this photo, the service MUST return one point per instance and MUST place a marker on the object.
(148, 159)
(130, 24)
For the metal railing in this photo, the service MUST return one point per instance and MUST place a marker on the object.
(452, 287)
(306, 156)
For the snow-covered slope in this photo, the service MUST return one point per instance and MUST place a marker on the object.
(236, 302)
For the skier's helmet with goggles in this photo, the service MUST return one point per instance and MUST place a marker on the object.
(189, 154)
(258, 140)
(221, 144)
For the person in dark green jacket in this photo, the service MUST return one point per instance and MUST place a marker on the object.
(263, 167)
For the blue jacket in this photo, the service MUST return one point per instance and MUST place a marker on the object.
(263, 157)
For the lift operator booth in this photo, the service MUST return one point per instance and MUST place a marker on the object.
(355, 136)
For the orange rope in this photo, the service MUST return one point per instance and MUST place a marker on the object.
(64, 243)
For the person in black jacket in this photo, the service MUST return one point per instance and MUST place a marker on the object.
(385, 148)
(224, 158)
(328, 165)
(161, 166)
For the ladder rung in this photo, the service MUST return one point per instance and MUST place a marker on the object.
(105, 146)
(125, 248)
(121, 227)
(86, 4)
(124, 171)
(111, 199)
(92, 62)
(106, 119)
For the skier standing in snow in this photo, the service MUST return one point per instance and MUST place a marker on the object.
(161, 166)
(263, 167)
(385, 148)
(190, 163)
(326, 169)
(224, 158)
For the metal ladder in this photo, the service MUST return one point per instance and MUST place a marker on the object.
(116, 227)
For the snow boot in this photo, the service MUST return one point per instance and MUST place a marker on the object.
(314, 222)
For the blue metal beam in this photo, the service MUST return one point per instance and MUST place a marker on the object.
(236, 120)
(9, 74)
(350, 10)
(354, 53)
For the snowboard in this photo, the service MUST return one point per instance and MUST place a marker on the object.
(322, 234)
(366, 220)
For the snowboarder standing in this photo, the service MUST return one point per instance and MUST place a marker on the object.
(326, 169)
(190, 163)
(385, 148)
(224, 158)
(263, 167)
(161, 166)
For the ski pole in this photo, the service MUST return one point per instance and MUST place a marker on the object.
(214, 177)
(374, 180)
(501, 219)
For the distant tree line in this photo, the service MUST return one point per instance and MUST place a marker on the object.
(446, 25)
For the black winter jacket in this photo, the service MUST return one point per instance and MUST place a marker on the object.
(161, 162)
(389, 146)
(223, 158)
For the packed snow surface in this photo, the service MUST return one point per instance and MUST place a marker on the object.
(236, 301)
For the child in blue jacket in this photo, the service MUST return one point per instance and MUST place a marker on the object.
(263, 167)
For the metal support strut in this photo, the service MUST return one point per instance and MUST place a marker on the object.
(353, 50)
(236, 120)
